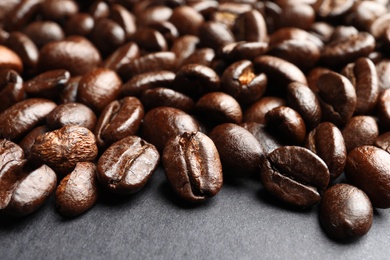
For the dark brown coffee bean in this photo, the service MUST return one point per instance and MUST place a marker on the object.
(11, 89)
(192, 166)
(332, 9)
(256, 112)
(250, 27)
(71, 114)
(313, 76)
(287, 173)
(119, 119)
(158, 97)
(153, 14)
(243, 50)
(47, 84)
(183, 47)
(290, 33)
(383, 68)
(78, 191)
(205, 8)
(327, 141)
(122, 56)
(267, 139)
(69, 92)
(79, 24)
(359, 131)
(383, 141)
(364, 77)
(164, 60)
(127, 165)
(215, 35)
(99, 9)
(98, 88)
(241, 82)
(288, 123)
(337, 97)
(202, 56)
(365, 13)
(22, 14)
(11, 165)
(322, 30)
(150, 40)
(302, 99)
(10, 60)
(32, 191)
(187, 20)
(228, 13)
(58, 10)
(43, 32)
(343, 32)
(345, 212)
(195, 80)
(6, 7)
(215, 108)
(24, 116)
(368, 168)
(383, 109)
(238, 149)
(63, 148)
(124, 18)
(167, 29)
(76, 55)
(29, 139)
(297, 15)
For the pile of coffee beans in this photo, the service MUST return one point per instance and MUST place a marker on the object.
(96, 95)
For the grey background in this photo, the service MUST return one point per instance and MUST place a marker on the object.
(241, 222)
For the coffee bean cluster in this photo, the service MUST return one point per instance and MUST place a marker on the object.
(95, 95)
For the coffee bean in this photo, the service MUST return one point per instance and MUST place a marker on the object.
(379, 26)
(10, 60)
(383, 109)
(187, 20)
(11, 89)
(192, 166)
(99, 9)
(383, 141)
(322, 30)
(153, 14)
(63, 148)
(332, 9)
(183, 47)
(58, 10)
(79, 24)
(167, 29)
(256, 112)
(124, 18)
(22, 117)
(69, 92)
(368, 168)
(43, 32)
(287, 173)
(22, 14)
(382, 68)
(365, 13)
(202, 56)
(32, 191)
(107, 35)
(215, 35)
(78, 191)
(359, 131)
(297, 15)
(29, 139)
(127, 165)
(250, 27)
(122, 56)
(267, 139)
(243, 50)
(150, 40)
(238, 149)
(345, 212)
(290, 33)
(343, 32)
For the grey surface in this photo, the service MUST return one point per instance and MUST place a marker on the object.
(241, 222)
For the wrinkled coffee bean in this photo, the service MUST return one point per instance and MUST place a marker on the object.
(192, 166)
(127, 165)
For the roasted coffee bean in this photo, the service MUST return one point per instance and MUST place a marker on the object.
(228, 13)
(5, 8)
(215, 35)
(290, 33)
(99, 9)
(343, 32)
(368, 168)
(21, 118)
(122, 56)
(29, 139)
(167, 29)
(10, 60)
(337, 97)
(267, 139)
(383, 68)
(365, 13)
(359, 131)
(383, 141)
(164, 60)
(63, 148)
(241, 82)
(124, 18)
(187, 20)
(215, 108)
(302, 99)
(383, 109)
(379, 26)
(22, 14)
(250, 27)
(150, 40)
(297, 15)
(196, 80)
(295, 175)
(363, 76)
(78, 191)
(75, 54)
(327, 141)
(153, 14)
(11, 89)
(183, 47)
(332, 9)
(47, 84)
(127, 165)
(79, 24)
(243, 50)
(345, 212)
(162, 123)
(288, 123)
(11, 165)
(322, 30)
(32, 191)
(58, 10)
(119, 119)
(256, 112)
(43, 32)
(202, 56)
(158, 97)
(238, 149)
(69, 92)
(71, 114)
(192, 166)
(98, 88)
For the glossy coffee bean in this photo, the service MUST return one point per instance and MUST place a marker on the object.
(238, 149)
(337, 97)
(43, 32)
(359, 131)
(183, 47)
(71, 114)
(297, 15)
(266, 138)
(167, 29)
(47, 84)
(345, 212)
(79, 24)
(250, 27)
(243, 50)
(368, 168)
(32, 192)
(288, 123)
(241, 82)
(215, 35)
(127, 165)
(69, 92)
(107, 35)
(256, 112)
(365, 13)
(150, 40)
(302, 99)
(153, 14)
(322, 30)
(287, 174)
(63, 148)
(382, 68)
(24, 116)
(383, 141)
(29, 139)
(187, 20)
(78, 191)
(192, 166)
(202, 56)
(75, 54)
(10, 60)
(379, 26)
(342, 32)
(11, 89)
(313, 75)
(162, 123)
(332, 9)
(99, 9)
(58, 10)
(98, 88)
(383, 109)
(22, 14)
(124, 18)
(122, 56)
(291, 33)
(11, 165)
